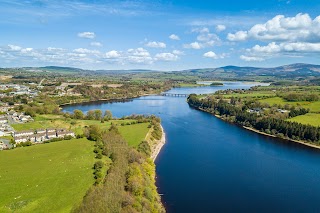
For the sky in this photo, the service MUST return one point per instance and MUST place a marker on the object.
(158, 34)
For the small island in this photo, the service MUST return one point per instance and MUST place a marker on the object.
(214, 84)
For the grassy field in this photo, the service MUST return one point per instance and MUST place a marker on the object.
(251, 95)
(46, 178)
(191, 85)
(313, 106)
(134, 134)
(309, 118)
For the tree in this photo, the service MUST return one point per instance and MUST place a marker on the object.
(78, 114)
(97, 114)
(107, 115)
(90, 115)
(93, 132)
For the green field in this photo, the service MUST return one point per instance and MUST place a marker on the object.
(309, 118)
(134, 134)
(46, 178)
(191, 85)
(313, 106)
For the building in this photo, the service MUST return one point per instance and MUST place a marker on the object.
(21, 139)
(41, 131)
(50, 130)
(51, 135)
(3, 120)
(23, 133)
(2, 145)
(40, 137)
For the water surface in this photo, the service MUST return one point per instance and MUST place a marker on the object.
(208, 165)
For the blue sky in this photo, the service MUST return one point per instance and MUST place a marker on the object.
(159, 35)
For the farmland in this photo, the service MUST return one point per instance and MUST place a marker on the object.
(309, 118)
(133, 133)
(46, 178)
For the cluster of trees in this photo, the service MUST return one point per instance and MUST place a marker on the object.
(293, 96)
(91, 115)
(296, 112)
(279, 127)
(128, 185)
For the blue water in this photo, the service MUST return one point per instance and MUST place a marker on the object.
(208, 165)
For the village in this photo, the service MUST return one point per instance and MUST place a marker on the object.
(10, 138)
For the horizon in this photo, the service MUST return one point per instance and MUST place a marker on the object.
(163, 35)
(153, 70)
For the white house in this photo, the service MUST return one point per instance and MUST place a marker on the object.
(41, 131)
(40, 137)
(20, 139)
(3, 120)
(23, 133)
(51, 130)
(51, 135)
(2, 145)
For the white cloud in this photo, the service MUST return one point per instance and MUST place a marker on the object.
(238, 36)
(250, 58)
(211, 54)
(139, 56)
(96, 44)
(156, 44)
(204, 39)
(174, 37)
(274, 49)
(89, 35)
(286, 47)
(14, 47)
(86, 51)
(166, 57)
(112, 54)
(178, 52)
(300, 28)
(194, 45)
(220, 27)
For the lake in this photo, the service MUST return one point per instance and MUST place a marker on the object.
(208, 165)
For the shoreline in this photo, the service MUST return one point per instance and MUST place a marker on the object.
(159, 144)
(266, 134)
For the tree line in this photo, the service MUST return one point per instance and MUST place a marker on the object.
(270, 125)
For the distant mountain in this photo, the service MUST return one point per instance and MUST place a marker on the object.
(286, 71)
(61, 69)
(291, 71)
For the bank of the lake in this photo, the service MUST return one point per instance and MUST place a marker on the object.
(158, 145)
(266, 134)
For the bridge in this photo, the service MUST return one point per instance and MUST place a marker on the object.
(174, 94)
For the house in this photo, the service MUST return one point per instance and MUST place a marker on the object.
(283, 110)
(2, 145)
(12, 113)
(40, 131)
(255, 110)
(40, 137)
(32, 138)
(70, 133)
(24, 119)
(50, 130)
(61, 130)
(51, 135)
(23, 133)
(3, 120)
(20, 139)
